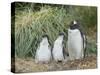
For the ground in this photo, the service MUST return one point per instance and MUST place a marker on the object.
(28, 65)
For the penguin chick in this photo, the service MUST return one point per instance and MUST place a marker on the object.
(58, 48)
(43, 52)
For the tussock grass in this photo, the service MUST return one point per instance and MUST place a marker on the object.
(31, 25)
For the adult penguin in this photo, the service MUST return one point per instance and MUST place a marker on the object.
(76, 41)
(58, 48)
(43, 52)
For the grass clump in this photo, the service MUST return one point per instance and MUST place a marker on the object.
(34, 20)
(32, 25)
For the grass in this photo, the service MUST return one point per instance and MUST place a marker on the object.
(31, 25)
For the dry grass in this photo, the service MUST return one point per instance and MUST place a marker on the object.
(28, 65)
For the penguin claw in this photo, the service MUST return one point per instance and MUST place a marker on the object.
(59, 61)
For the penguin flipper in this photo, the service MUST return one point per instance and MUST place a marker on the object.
(84, 45)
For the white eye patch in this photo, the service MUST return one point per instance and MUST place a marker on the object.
(74, 22)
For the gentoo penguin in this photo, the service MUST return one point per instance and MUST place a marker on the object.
(43, 52)
(76, 41)
(58, 48)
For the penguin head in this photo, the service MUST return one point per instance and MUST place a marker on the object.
(60, 38)
(45, 36)
(61, 35)
(44, 40)
(74, 25)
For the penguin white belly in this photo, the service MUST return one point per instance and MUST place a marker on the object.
(58, 53)
(43, 54)
(75, 44)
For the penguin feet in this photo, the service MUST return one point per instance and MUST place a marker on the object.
(59, 61)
